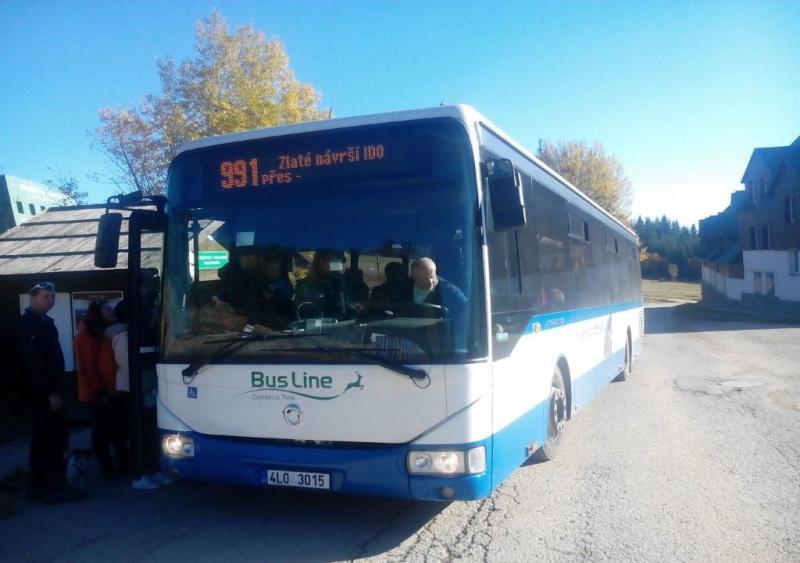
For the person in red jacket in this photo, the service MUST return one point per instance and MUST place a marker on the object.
(96, 385)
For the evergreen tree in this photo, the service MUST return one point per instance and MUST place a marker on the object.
(668, 242)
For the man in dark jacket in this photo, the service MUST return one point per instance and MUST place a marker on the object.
(40, 362)
(429, 288)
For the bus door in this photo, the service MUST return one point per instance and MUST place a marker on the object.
(145, 267)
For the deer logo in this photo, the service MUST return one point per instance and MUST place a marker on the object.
(355, 384)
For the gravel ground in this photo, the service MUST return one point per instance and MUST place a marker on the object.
(696, 458)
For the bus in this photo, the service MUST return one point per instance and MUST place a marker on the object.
(408, 304)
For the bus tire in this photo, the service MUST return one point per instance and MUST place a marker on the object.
(556, 417)
(625, 374)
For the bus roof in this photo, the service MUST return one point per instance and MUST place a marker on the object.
(462, 112)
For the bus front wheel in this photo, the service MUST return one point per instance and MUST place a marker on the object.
(556, 417)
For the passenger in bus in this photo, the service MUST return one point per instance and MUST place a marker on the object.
(394, 289)
(240, 280)
(276, 292)
(322, 292)
(276, 280)
(257, 285)
(357, 290)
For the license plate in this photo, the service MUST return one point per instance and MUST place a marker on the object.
(303, 479)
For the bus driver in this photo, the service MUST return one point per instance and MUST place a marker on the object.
(429, 288)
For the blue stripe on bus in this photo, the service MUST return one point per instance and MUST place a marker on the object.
(562, 318)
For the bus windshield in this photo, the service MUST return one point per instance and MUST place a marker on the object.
(376, 253)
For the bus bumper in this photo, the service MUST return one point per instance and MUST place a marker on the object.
(376, 470)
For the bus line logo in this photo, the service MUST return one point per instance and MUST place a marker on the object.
(304, 385)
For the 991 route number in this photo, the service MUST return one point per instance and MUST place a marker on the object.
(280, 478)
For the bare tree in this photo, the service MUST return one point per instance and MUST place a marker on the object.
(66, 185)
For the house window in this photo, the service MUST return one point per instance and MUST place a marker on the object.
(756, 282)
(789, 209)
(762, 189)
(20, 209)
(769, 283)
(32, 207)
(753, 238)
(794, 261)
(766, 243)
(616, 245)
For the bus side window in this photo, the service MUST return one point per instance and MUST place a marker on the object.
(550, 221)
(529, 253)
(503, 270)
(600, 266)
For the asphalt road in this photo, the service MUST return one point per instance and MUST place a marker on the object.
(697, 458)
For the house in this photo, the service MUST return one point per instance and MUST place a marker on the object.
(751, 251)
(22, 199)
(720, 250)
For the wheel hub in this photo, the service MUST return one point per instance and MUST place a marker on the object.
(558, 406)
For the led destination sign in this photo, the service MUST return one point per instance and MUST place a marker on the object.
(258, 171)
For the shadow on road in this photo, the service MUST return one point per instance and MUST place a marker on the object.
(692, 317)
(215, 522)
(343, 527)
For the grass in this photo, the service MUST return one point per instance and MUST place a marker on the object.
(670, 291)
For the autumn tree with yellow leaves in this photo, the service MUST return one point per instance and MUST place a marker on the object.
(237, 81)
(594, 172)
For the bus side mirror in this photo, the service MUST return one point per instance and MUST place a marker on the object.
(106, 245)
(505, 194)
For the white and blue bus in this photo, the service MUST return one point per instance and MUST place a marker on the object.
(297, 347)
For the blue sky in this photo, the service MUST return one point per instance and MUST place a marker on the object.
(680, 92)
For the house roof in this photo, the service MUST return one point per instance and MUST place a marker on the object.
(772, 157)
(62, 239)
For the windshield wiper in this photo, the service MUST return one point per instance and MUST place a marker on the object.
(232, 345)
(417, 374)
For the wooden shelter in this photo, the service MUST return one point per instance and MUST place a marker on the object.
(58, 246)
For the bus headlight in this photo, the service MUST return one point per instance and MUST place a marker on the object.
(177, 446)
(447, 462)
